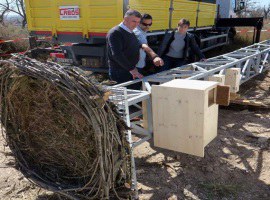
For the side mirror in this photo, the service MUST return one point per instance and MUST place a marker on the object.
(241, 5)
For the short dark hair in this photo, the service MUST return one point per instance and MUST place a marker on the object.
(146, 16)
(184, 21)
(135, 13)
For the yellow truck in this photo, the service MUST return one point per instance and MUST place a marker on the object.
(85, 23)
(89, 18)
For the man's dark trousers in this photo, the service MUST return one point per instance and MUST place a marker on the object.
(170, 62)
(120, 75)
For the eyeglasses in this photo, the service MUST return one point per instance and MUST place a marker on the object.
(181, 25)
(146, 24)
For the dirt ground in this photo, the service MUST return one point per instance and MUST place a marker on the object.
(236, 163)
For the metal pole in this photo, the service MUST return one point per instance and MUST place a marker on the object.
(258, 35)
(259, 27)
(129, 139)
(254, 33)
(171, 13)
(197, 16)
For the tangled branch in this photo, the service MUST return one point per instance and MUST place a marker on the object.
(65, 136)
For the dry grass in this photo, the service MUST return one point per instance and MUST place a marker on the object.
(265, 35)
(242, 39)
(12, 32)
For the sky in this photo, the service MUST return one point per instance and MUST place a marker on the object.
(260, 2)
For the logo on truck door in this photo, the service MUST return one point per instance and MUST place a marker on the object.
(69, 12)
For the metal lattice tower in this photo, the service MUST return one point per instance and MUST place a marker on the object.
(252, 60)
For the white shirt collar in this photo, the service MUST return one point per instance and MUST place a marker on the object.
(123, 26)
(139, 28)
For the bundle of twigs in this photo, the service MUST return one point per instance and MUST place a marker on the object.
(64, 134)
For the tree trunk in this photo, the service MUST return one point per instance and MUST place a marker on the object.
(24, 22)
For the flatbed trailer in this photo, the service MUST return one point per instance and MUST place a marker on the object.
(84, 24)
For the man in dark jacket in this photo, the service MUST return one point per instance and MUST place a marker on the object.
(123, 49)
(176, 46)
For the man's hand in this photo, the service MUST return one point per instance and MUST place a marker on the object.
(158, 62)
(135, 74)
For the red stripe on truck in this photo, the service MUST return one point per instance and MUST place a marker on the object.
(91, 34)
(69, 33)
(42, 32)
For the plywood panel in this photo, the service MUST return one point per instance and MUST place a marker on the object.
(233, 77)
(217, 78)
(180, 108)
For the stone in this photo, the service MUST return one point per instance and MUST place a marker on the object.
(222, 161)
(186, 192)
(245, 171)
(127, 185)
(224, 139)
(226, 150)
(177, 164)
(232, 167)
(263, 140)
(209, 169)
(217, 164)
(189, 194)
(223, 128)
(244, 112)
(230, 125)
(188, 187)
(140, 171)
(173, 197)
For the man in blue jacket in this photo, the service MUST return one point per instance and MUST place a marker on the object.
(141, 33)
(176, 46)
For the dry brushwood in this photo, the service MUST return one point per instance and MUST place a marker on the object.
(63, 133)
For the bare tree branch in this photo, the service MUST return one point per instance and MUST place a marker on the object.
(266, 11)
(250, 5)
(13, 6)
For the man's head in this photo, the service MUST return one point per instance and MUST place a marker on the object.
(132, 19)
(183, 26)
(146, 22)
